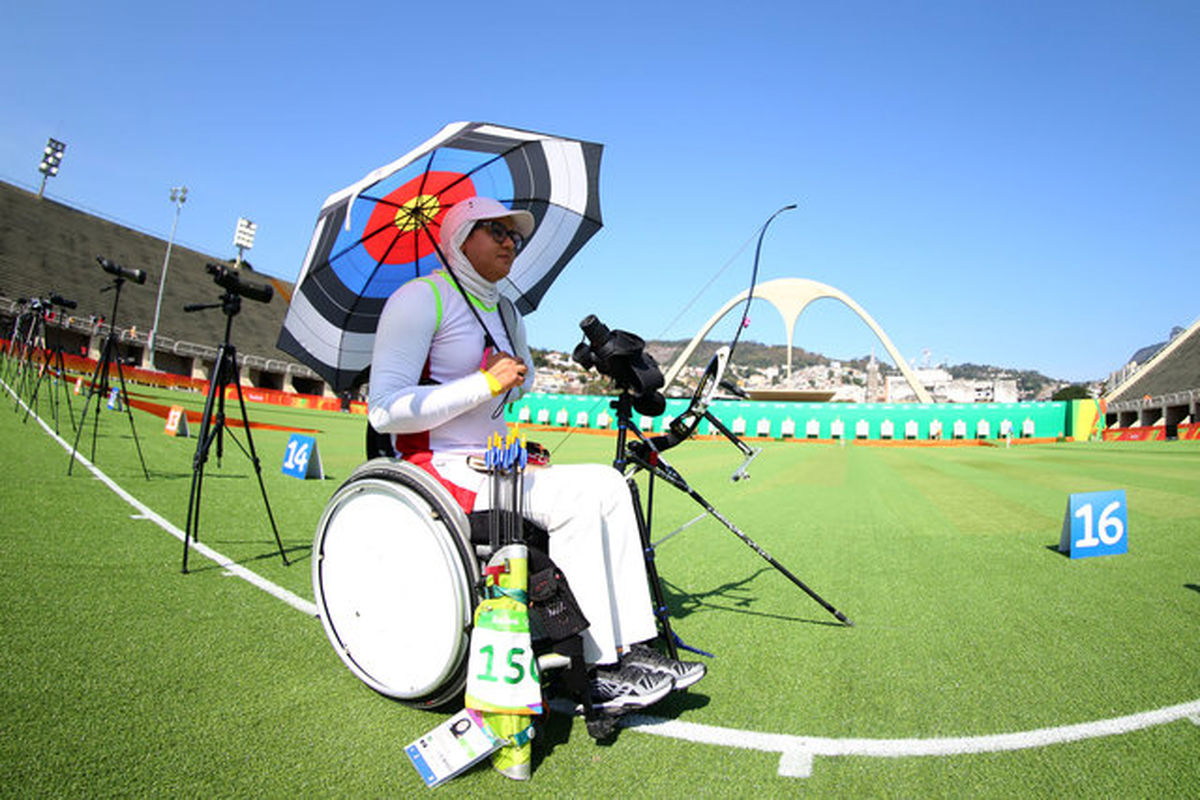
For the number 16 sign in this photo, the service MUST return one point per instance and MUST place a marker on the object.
(1096, 524)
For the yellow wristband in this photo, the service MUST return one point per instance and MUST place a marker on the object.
(493, 384)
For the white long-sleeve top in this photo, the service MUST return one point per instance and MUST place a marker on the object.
(586, 508)
(427, 331)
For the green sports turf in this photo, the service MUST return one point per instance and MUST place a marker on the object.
(123, 677)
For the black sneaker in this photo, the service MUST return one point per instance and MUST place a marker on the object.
(624, 687)
(685, 673)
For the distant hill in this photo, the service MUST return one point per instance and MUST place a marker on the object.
(1030, 383)
(751, 355)
(748, 354)
(758, 355)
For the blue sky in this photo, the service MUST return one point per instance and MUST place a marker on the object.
(1014, 183)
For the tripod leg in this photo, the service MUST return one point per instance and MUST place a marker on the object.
(102, 373)
(46, 371)
(55, 368)
(129, 413)
(51, 369)
(223, 379)
(192, 528)
(33, 397)
(661, 613)
(66, 384)
(258, 471)
(191, 531)
(78, 431)
(56, 365)
(102, 364)
(203, 441)
(25, 356)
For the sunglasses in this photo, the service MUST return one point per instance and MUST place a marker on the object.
(498, 233)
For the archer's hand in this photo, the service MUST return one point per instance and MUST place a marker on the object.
(508, 371)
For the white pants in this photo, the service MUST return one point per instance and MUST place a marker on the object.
(594, 539)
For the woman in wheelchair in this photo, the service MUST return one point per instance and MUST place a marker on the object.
(449, 352)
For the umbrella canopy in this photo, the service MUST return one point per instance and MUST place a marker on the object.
(382, 231)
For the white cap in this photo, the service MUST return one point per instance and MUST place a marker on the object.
(476, 208)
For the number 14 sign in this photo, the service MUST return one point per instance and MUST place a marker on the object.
(1096, 524)
(301, 458)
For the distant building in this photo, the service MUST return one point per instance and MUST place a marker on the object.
(946, 389)
(876, 390)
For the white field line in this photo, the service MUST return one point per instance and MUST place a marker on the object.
(796, 752)
(145, 512)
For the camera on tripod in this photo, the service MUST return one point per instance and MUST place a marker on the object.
(113, 268)
(622, 356)
(229, 280)
(224, 374)
(46, 304)
(60, 301)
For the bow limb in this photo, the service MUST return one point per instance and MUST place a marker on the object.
(681, 359)
(754, 279)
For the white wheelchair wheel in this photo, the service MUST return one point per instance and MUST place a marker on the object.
(394, 578)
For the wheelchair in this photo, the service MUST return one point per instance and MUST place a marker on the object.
(397, 570)
(396, 580)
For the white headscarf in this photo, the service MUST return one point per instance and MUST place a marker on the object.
(457, 226)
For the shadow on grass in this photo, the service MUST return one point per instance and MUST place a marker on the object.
(557, 728)
(168, 476)
(730, 596)
(1053, 548)
(296, 554)
(210, 474)
(1193, 586)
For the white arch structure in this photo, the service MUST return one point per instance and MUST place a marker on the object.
(790, 296)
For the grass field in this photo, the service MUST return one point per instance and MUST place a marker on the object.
(974, 638)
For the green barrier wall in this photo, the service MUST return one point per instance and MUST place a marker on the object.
(819, 420)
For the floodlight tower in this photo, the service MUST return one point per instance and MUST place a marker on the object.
(51, 157)
(243, 238)
(178, 198)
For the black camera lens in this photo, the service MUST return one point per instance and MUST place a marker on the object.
(621, 355)
(582, 355)
(231, 282)
(596, 331)
(113, 268)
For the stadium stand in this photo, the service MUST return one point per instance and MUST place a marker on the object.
(47, 247)
(1160, 399)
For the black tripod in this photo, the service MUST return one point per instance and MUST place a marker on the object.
(623, 405)
(212, 425)
(28, 340)
(53, 365)
(17, 349)
(99, 384)
(646, 454)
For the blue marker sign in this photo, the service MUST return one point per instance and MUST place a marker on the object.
(301, 458)
(1096, 524)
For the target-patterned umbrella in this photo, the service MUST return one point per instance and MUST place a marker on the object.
(382, 231)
